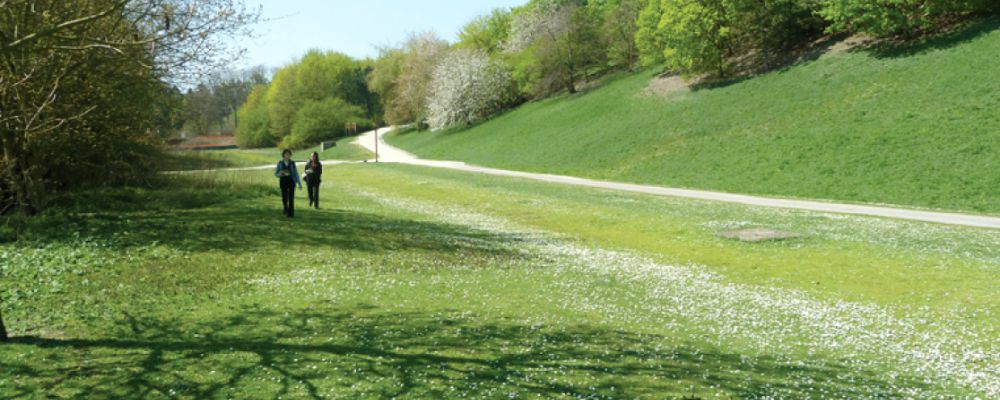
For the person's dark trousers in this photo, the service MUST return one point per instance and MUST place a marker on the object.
(288, 196)
(313, 189)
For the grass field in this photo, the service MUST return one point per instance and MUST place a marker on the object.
(420, 283)
(211, 159)
(914, 126)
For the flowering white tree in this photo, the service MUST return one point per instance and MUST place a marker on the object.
(467, 86)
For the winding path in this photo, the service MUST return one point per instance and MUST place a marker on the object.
(388, 153)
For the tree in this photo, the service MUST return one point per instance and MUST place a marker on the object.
(382, 79)
(201, 109)
(648, 36)
(79, 83)
(320, 120)
(486, 32)
(467, 86)
(620, 25)
(215, 101)
(408, 103)
(169, 116)
(703, 36)
(254, 132)
(898, 17)
(562, 38)
(316, 77)
(232, 88)
(46, 46)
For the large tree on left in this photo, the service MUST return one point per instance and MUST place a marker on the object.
(81, 82)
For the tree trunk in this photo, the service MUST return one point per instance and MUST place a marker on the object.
(3, 330)
(21, 184)
(17, 173)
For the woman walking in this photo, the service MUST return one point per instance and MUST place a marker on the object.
(314, 174)
(288, 176)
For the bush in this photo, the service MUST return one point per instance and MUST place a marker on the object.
(322, 120)
(898, 17)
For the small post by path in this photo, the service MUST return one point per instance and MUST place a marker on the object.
(376, 144)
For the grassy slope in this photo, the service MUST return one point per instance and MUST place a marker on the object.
(914, 126)
(202, 290)
(208, 159)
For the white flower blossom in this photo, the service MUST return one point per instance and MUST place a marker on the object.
(466, 87)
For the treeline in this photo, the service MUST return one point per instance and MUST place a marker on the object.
(310, 100)
(505, 58)
(711, 36)
(210, 107)
(549, 46)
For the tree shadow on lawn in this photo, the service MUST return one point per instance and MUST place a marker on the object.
(329, 351)
(214, 219)
(241, 230)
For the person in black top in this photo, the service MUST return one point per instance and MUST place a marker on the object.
(314, 174)
(287, 176)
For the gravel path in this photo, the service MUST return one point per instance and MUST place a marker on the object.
(388, 153)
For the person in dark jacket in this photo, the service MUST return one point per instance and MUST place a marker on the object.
(287, 176)
(314, 175)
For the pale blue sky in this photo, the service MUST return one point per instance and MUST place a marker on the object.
(354, 27)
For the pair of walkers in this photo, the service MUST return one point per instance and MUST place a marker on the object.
(288, 177)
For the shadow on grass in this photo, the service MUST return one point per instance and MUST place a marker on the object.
(194, 218)
(328, 351)
(238, 228)
(782, 61)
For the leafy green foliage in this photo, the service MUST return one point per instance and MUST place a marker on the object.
(290, 109)
(619, 27)
(562, 39)
(898, 17)
(488, 33)
(254, 130)
(702, 36)
(648, 36)
(384, 76)
(322, 120)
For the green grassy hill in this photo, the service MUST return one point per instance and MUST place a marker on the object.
(916, 126)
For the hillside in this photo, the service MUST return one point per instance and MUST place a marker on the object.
(914, 126)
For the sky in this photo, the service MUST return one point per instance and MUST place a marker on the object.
(353, 27)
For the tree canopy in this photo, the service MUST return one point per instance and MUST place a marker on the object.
(287, 110)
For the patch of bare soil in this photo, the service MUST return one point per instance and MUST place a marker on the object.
(664, 85)
(849, 44)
